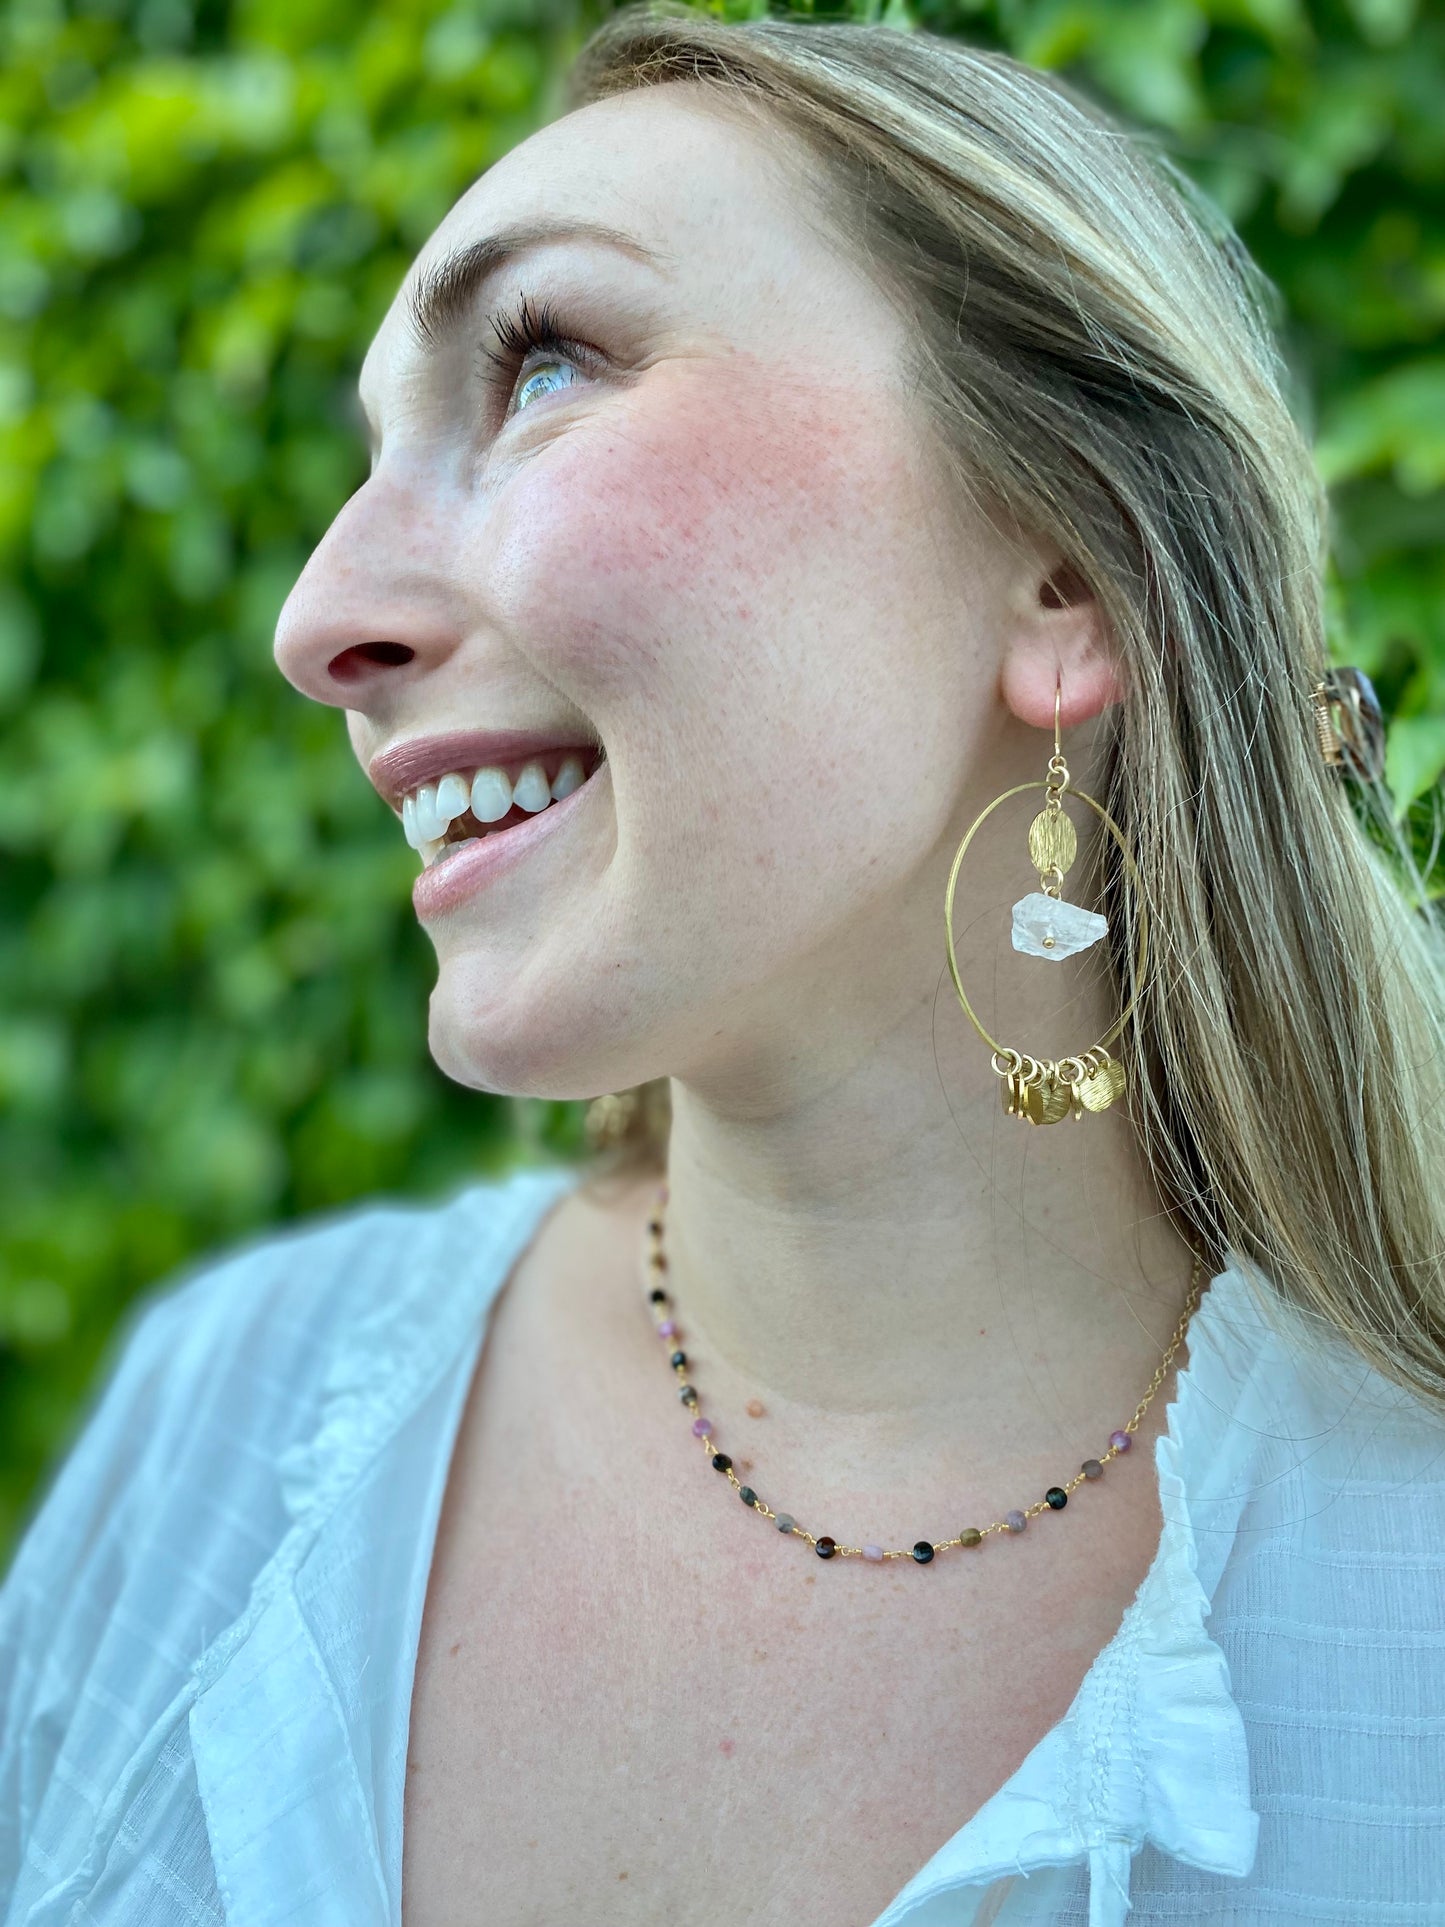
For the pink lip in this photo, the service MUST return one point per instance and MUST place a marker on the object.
(396, 772)
(459, 877)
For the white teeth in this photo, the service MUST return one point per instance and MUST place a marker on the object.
(568, 778)
(430, 824)
(454, 795)
(491, 795)
(532, 791)
(429, 812)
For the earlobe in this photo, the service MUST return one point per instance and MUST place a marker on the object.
(1060, 643)
(1089, 684)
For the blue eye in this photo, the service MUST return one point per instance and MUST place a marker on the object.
(536, 374)
(532, 330)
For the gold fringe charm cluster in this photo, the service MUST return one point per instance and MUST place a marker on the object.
(1046, 1090)
(610, 1120)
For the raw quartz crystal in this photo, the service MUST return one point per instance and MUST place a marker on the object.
(1071, 927)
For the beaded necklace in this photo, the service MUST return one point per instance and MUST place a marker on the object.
(1054, 1500)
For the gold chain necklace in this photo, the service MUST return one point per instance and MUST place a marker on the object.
(1054, 1500)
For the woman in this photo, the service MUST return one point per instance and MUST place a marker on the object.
(777, 460)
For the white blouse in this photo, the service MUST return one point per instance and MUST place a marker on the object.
(209, 1633)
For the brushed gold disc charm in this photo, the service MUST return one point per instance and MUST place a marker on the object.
(1053, 843)
(1046, 1101)
(1055, 1103)
(1103, 1087)
(1016, 1087)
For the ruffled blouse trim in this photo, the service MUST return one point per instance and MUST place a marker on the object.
(275, 1708)
(394, 1352)
(1153, 1747)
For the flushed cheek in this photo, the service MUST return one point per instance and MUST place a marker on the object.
(712, 501)
(715, 555)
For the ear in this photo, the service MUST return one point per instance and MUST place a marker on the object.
(1058, 636)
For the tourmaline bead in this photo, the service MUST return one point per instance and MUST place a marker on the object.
(1015, 1521)
(923, 1552)
(747, 1495)
(1092, 1469)
(785, 1522)
(1057, 1497)
(701, 1427)
(721, 1462)
(826, 1547)
(1120, 1441)
(970, 1536)
(872, 1552)
(678, 1358)
(658, 1297)
(666, 1328)
(688, 1394)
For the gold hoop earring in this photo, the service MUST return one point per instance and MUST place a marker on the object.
(1044, 1090)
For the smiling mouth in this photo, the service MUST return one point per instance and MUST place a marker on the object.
(464, 806)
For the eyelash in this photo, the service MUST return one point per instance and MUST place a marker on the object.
(525, 329)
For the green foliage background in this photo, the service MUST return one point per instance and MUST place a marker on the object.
(212, 986)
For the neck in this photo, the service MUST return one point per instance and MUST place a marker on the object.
(920, 1290)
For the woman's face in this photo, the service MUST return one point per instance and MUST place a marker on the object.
(709, 534)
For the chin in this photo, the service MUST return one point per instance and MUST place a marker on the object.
(531, 1044)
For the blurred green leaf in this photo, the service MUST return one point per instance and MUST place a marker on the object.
(1397, 419)
(1414, 758)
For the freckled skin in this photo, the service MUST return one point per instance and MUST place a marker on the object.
(624, 542)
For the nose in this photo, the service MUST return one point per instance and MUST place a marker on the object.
(373, 607)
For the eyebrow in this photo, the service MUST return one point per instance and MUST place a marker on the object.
(445, 293)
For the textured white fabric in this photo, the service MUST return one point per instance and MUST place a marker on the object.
(209, 1633)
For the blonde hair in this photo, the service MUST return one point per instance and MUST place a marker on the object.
(1096, 348)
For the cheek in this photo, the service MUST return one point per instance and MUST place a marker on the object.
(720, 573)
(701, 526)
